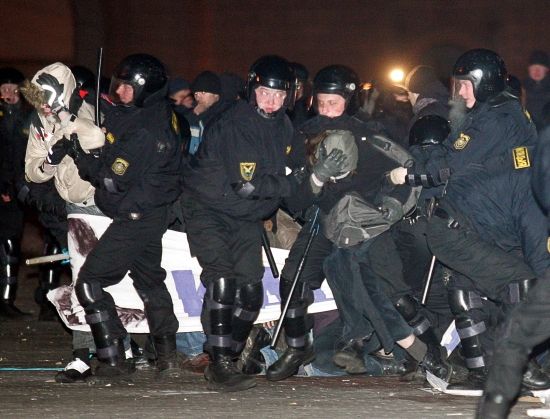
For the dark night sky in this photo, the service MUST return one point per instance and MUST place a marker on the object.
(191, 35)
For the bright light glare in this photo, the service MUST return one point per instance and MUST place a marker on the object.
(397, 75)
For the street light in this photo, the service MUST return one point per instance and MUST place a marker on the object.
(397, 75)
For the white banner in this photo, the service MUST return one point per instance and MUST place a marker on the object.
(182, 280)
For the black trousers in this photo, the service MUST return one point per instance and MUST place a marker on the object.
(225, 247)
(527, 326)
(134, 246)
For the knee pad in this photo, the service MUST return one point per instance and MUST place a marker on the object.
(221, 291)
(250, 297)
(88, 292)
(409, 308)
(463, 301)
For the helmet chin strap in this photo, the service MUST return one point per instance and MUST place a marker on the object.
(266, 115)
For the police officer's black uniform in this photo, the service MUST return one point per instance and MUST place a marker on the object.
(137, 176)
(527, 325)
(14, 130)
(237, 182)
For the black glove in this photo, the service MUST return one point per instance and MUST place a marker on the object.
(54, 92)
(298, 175)
(243, 189)
(57, 152)
(392, 209)
(329, 166)
(74, 149)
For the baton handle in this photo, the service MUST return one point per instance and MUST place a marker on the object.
(46, 259)
(269, 254)
(428, 282)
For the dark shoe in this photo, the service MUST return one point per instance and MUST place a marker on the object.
(472, 386)
(350, 357)
(169, 361)
(493, 407)
(116, 365)
(435, 364)
(8, 310)
(172, 366)
(222, 375)
(75, 371)
(534, 378)
(288, 363)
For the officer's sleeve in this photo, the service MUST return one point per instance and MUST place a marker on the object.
(35, 155)
(122, 163)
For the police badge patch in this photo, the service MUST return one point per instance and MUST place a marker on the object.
(119, 166)
(110, 137)
(288, 149)
(521, 158)
(461, 141)
(247, 170)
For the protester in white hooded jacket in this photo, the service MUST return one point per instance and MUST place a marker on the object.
(49, 92)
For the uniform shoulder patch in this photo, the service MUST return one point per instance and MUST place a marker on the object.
(288, 149)
(521, 158)
(175, 123)
(120, 166)
(110, 137)
(461, 142)
(247, 170)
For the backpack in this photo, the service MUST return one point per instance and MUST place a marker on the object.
(352, 221)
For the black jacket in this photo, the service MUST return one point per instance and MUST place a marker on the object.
(139, 168)
(496, 200)
(537, 95)
(490, 129)
(242, 146)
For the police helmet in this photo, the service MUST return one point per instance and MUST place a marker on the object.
(340, 80)
(10, 75)
(273, 72)
(429, 130)
(485, 69)
(145, 73)
(85, 79)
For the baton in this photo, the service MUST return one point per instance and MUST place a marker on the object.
(269, 254)
(314, 229)
(98, 84)
(428, 281)
(47, 259)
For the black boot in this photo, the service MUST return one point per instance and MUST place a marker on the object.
(251, 359)
(113, 362)
(493, 406)
(288, 363)
(169, 361)
(350, 357)
(435, 364)
(297, 326)
(534, 378)
(222, 375)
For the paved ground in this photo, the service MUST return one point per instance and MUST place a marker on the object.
(31, 394)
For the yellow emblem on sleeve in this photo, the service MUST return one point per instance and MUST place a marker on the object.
(528, 115)
(110, 137)
(247, 170)
(288, 149)
(175, 123)
(521, 158)
(120, 166)
(461, 142)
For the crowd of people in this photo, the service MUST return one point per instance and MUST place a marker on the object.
(415, 202)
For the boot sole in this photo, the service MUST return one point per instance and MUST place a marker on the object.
(279, 377)
(250, 382)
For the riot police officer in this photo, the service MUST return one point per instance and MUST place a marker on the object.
(135, 192)
(237, 181)
(14, 129)
(526, 327)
